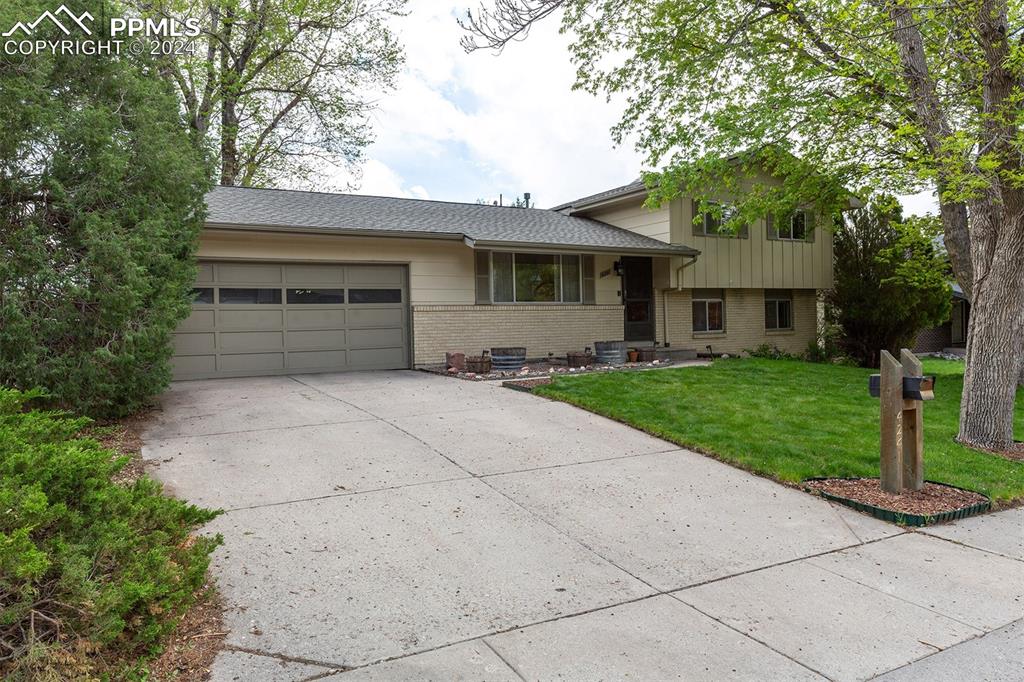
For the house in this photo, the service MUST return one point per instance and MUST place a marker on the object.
(951, 335)
(294, 281)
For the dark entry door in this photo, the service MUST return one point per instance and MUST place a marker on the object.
(638, 295)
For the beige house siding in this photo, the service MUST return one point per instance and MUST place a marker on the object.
(744, 322)
(654, 223)
(756, 261)
(439, 271)
(542, 329)
(752, 263)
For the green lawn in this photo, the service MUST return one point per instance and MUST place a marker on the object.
(791, 420)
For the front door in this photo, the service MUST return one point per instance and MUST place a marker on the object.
(638, 295)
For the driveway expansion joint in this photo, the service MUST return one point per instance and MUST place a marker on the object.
(334, 667)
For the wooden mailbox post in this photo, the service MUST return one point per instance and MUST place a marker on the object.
(902, 391)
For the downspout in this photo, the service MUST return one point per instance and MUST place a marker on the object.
(664, 299)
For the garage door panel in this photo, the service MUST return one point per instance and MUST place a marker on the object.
(235, 342)
(248, 273)
(375, 317)
(377, 275)
(276, 318)
(199, 320)
(204, 273)
(316, 339)
(317, 359)
(192, 365)
(375, 338)
(315, 318)
(251, 362)
(251, 319)
(376, 358)
(195, 344)
(315, 274)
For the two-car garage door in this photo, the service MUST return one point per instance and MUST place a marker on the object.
(253, 319)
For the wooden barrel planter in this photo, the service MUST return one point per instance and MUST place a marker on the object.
(646, 354)
(579, 359)
(610, 352)
(510, 359)
(478, 364)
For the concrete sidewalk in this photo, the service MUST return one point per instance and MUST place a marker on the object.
(400, 525)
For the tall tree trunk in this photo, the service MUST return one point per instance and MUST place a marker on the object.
(995, 340)
(229, 167)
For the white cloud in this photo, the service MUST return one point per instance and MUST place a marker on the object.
(471, 126)
(380, 180)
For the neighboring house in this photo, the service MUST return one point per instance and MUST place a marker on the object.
(951, 335)
(309, 282)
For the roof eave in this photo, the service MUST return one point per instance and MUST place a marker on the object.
(573, 208)
(667, 250)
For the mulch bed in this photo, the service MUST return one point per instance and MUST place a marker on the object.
(931, 500)
(1015, 452)
(189, 652)
(527, 384)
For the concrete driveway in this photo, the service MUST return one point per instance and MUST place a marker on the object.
(400, 525)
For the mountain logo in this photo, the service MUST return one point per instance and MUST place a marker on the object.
(52, 16)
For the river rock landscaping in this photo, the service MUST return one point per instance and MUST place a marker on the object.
(542, 368)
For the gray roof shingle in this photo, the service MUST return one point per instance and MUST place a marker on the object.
(633, 187)
(353, 213)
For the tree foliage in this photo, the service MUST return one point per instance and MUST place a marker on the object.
(101, 200)
(278, 86)
(896, 95)
(891, 280)
(84, 562)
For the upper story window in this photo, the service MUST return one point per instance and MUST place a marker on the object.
(507, 277)
(794, 227)
(712, 222)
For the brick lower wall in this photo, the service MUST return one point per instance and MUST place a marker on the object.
(542, 329)
(744, 322)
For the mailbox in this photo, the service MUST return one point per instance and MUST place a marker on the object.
(914, 388)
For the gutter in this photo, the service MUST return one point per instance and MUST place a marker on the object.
(670, 250)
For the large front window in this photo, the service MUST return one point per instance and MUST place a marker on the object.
(536, 278)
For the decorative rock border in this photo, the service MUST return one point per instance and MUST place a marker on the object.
(901, 518)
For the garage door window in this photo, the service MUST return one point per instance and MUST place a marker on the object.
(250, 296)
(316, 296)
(202, 295)
(374, 295)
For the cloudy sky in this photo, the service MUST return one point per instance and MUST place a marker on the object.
(464, 127)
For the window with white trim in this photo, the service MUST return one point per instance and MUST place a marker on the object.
(778, 309)
(708, 310)
(794, 227)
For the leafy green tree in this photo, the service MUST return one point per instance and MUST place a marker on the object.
(897, 95)
(891, 280)
(101, 201)
(278, 86)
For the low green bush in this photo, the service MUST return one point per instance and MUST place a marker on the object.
(86, 565)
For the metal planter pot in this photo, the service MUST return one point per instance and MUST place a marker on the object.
(610, 352)
(508, 359)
